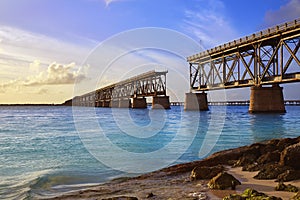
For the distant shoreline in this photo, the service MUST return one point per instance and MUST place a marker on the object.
(31, 105)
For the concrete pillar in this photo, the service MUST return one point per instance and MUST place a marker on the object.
(114, 103)
(106, 104)
(139, 103)
(159, 102)
(266, 100)
(124, 103)
(196, 101)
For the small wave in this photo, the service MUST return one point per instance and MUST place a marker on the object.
(18, 187)
(51, 185)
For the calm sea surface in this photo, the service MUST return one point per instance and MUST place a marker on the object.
(45, 151)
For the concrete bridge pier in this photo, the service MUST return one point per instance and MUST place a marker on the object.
(124, 103)
(106, 104)
(266, 99)
(139, 102)
(114, 103)
(161, 102)
(97, 104)
(196, 101)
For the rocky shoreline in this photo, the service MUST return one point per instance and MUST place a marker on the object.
(216, 177)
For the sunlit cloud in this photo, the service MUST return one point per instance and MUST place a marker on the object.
(56, 74)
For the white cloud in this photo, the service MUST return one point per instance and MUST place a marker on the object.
(35, 66)
(57, 74)
(19, 48)
(108, 2)
(209, 24)
(26, 57)
(287, 12)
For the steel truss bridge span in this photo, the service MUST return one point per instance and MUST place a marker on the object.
(151, 83)
(270, 56)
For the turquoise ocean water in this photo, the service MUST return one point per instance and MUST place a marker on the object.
(46, 151)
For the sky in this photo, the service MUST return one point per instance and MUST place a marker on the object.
(52, 50)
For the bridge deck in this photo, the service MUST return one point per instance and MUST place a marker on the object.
(270, 56)
(151, 83)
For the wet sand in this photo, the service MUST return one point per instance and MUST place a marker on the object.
(177, 187)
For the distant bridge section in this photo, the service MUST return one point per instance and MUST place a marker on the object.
(151, 83)
(268, 57)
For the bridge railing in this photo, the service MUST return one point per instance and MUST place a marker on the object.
(245, 40)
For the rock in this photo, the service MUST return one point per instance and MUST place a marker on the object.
(289, 175)
(255, 150)
(269, 157)
(290, 156)
(223, 181)
(251, 194)
(271, 146)
(203, 172)
(252, 167)
(284, 143)
(297, 196)
(246, 159)
(271, 171)
(288, 188)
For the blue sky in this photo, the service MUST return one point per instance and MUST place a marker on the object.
(44, 44)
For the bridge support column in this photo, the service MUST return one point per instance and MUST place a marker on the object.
(196, 101)
(97, 104)
(106, 104)
(114, 103)
(139, 103)
(161, 102)
(266, 100)
(124, 103)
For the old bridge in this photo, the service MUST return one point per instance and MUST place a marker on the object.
(268, 57)
(128, 93)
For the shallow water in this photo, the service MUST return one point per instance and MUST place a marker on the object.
(46, 151)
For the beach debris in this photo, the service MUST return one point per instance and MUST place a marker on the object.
(290, 156)
(289, 188)
(251, 194)
(150, 195)
(204, 172)
(223, 181)
(198, 195)
(121, 198)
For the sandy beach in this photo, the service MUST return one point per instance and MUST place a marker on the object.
(247, 180)
(174, 182)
